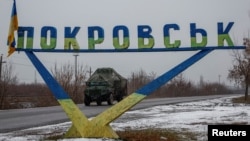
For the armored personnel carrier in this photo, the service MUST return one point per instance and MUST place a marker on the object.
(105, 85)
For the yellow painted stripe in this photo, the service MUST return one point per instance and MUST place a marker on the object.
(117, 110)
(79, 120)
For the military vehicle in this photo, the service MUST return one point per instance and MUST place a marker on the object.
(105, 85)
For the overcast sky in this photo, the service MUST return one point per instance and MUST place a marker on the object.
(131, 13)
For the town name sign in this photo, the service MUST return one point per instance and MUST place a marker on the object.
(121, 36)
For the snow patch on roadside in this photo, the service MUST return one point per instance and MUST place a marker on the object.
(192, 117)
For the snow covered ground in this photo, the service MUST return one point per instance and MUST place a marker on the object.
(191, 116)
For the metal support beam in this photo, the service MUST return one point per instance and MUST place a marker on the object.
(99, 126)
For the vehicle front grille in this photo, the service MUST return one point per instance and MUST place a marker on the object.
(95, 93)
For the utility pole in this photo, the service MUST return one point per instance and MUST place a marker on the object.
(1, 59)
(1, 85)
(219, 78)
(133, 80)
(75, 54)
(35, 78)
(76, 87)
(1, 63)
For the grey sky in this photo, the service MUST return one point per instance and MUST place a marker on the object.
(131, 13)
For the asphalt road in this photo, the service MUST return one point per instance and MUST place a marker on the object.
(16, 119)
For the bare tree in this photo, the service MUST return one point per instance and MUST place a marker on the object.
(180, 86)
(8, 78)
(79, 83)
(140, 78)
(64, 75)
(240, 72)
(72, 83)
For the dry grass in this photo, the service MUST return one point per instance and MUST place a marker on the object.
(153, 135)
(144, 135)
(241, 100)
(147, 135)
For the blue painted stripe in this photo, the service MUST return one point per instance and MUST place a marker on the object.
(133, 50)
(56, 89)
(161, 80)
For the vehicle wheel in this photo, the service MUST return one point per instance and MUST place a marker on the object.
(86, 101)
(99, 102)
(110, 100)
